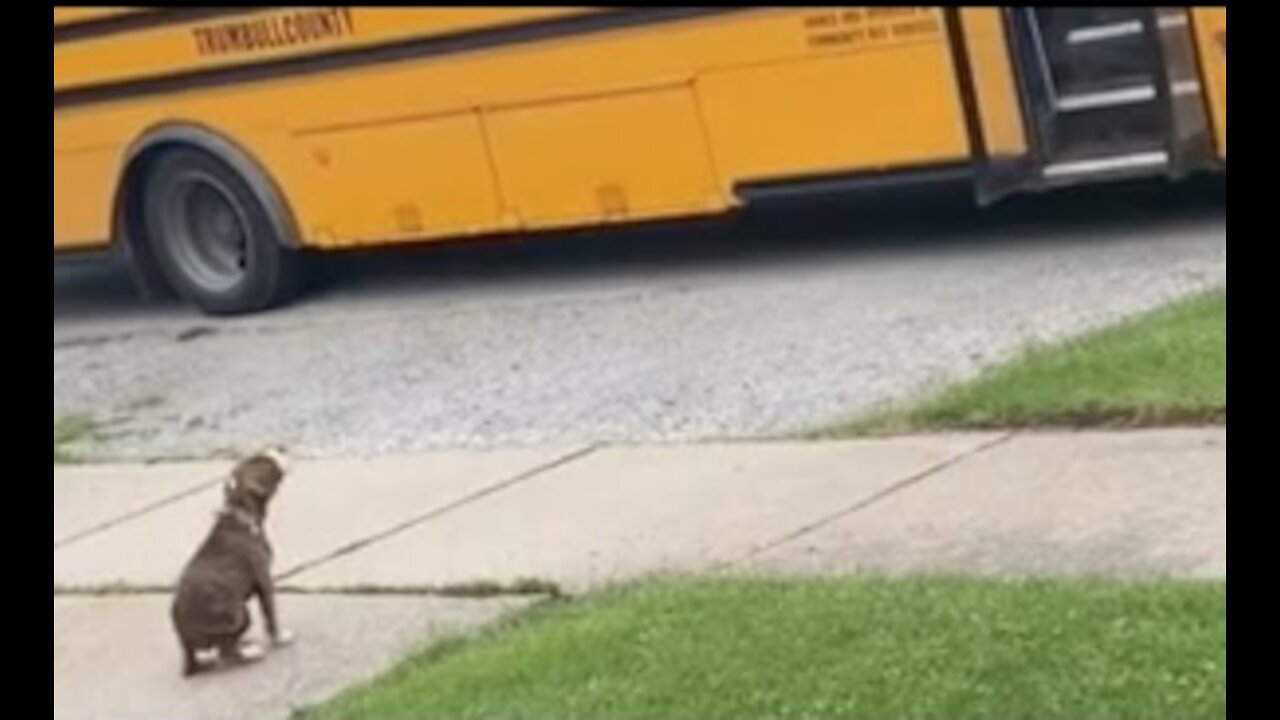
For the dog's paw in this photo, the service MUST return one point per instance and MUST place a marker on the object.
(283, 638)
(251, 651)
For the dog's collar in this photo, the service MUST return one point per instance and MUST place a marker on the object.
(245, 518)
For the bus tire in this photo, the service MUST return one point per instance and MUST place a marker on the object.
(212, 237)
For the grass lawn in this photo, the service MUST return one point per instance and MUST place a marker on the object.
(1166, 367)
(851, 648)
(67, 431)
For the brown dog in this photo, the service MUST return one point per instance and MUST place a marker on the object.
(210, 609)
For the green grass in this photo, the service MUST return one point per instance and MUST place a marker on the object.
(924, 648)
(66, 432)
(1168, 367)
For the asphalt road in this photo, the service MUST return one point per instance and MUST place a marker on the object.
(765, 326)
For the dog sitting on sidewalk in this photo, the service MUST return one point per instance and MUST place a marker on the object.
(210, 610)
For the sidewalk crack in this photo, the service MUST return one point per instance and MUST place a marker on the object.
(893, 489)
(438, 511)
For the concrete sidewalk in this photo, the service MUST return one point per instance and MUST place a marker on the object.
(1151, 502)
(115, 657)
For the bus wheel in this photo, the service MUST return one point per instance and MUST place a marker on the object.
(212, 237)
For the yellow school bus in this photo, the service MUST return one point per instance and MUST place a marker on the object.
(211, 146)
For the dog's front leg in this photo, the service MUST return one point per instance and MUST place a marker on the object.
(267, 600)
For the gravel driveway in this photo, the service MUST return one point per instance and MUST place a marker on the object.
(771, 326)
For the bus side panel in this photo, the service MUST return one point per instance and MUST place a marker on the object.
(67, 15)
(597, 127)
(1211, 41)
(187, 47)
(84, 183)
(883, 108)
(592, 160)
(999, 104)
(393, 181)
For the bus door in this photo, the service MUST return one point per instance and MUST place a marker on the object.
(1108, 93)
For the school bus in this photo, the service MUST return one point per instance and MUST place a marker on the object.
(210, 147)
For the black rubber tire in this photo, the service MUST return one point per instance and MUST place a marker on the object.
(249, 269)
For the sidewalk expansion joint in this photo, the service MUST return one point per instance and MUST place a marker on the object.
(472, 590)
(136, 513)
(437, 512)
(893, 489)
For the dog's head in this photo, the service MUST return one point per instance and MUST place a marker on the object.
(255, 480)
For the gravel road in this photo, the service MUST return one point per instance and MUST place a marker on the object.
(773, 325)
